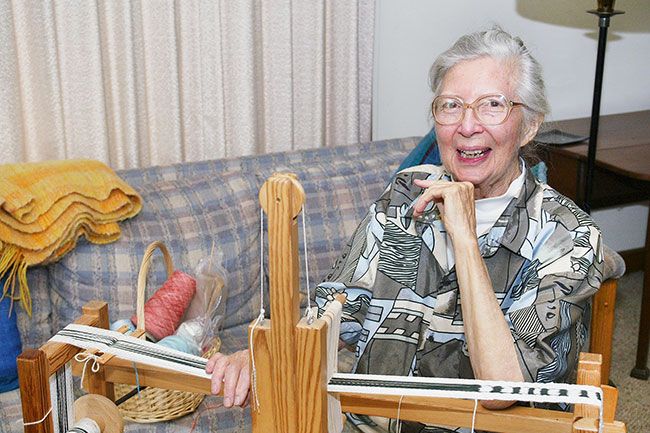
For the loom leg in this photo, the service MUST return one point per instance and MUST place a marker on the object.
(33, 376)
(262, 415)
(311, 381)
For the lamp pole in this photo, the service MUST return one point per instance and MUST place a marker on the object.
(605, 11)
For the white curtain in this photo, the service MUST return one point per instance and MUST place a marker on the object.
(152, 82)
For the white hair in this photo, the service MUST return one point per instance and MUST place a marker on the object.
(498, 44)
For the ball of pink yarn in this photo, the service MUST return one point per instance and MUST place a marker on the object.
(164, 310)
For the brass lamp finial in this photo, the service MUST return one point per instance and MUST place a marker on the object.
(606, 5)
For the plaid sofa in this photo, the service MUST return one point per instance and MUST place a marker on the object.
(187, 206)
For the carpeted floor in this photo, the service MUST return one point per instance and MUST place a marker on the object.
(634, 394)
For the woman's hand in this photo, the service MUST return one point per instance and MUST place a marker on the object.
(455, 201)
(233, 373)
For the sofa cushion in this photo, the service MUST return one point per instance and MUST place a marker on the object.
(35, 330)
(186, 214)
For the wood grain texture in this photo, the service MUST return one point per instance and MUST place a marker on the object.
(610, 401)
(262, 415)
(311, 342)
(458, 413)
(59, 354)
(602, 325)
(282, 197)
(96, 383)
(101, 410)
(116, 370)
(588, 374)
(33, 377)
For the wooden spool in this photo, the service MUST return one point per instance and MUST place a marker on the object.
(101, 410)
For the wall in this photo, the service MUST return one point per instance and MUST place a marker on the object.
(562, 36)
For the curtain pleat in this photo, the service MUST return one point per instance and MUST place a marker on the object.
(275, 50)
(308, 40)
(120, 84)
(140, 83)
(11, 117)
(188, 17)
(81, 80)
(365, 47)
(38, 79)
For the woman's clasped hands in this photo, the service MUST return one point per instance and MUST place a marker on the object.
(455, 202)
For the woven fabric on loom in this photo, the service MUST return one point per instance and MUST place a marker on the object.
(45, 207)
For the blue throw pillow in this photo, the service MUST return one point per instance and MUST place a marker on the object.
(11, 345)
(426, 152)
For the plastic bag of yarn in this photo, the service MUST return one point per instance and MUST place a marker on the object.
(204, 318)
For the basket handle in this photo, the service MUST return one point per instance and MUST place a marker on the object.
(142, 276)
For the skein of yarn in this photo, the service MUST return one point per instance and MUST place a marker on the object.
(179, 343)
(164, 310)
(118, 324)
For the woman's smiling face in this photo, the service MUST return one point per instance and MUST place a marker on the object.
(486, 156)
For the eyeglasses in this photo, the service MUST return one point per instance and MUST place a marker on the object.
(490, 110)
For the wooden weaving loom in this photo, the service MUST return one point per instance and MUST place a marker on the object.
(291, 362)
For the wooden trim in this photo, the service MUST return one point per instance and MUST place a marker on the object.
(458, 412)
(602, 325)
(634, 259)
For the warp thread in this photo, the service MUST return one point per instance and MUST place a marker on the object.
(165, 309)
(398, 421)
(474, 414)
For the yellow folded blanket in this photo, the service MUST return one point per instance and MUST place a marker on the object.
(45, 207)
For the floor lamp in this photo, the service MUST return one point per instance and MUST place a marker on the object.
(605, 11)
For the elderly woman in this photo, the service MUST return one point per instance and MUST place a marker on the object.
(472, 269)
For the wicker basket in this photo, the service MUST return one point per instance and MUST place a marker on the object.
(154, 404)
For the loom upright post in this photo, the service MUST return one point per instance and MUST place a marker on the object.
(96, 383)
(289, 354)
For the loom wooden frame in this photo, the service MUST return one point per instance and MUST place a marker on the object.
(290, 360)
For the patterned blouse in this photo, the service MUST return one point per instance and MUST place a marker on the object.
(403, 311)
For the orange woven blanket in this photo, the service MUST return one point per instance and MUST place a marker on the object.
(45, 207)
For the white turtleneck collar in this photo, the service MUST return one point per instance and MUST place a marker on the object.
(488, 210)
